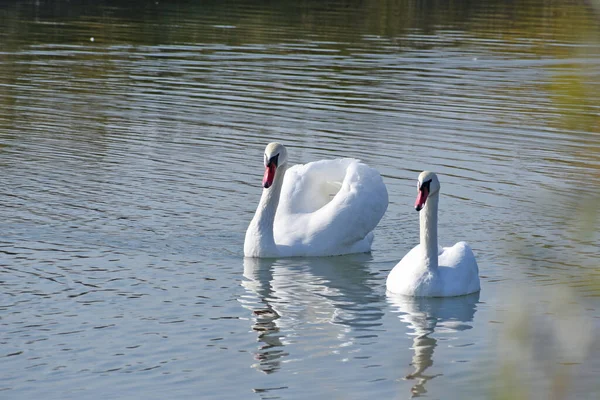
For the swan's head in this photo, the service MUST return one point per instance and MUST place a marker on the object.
(427, 185)
(275, 156)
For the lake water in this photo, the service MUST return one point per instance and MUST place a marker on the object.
(131, 141)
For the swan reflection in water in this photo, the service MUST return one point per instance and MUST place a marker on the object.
(426, 314)
(259, 273)
(303, 297)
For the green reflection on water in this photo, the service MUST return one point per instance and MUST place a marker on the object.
(242, 22)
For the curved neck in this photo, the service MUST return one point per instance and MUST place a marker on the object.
(428, 227)
(260, 240)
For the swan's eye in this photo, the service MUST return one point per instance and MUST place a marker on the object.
(274, 160)
(424, 185)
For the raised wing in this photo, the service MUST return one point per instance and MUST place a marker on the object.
(329, 204)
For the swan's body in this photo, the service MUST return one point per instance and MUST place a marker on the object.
(322, 208)
(428, 270)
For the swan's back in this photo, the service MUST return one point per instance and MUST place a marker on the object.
(330, 207)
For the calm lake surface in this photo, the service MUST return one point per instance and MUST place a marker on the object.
(131, 141)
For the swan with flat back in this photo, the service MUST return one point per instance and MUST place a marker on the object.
(429, 270)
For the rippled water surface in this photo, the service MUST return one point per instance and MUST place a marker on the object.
(131, 141)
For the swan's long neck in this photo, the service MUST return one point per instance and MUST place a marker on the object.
(260, 240)
(429, 235)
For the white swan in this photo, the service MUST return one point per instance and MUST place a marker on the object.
(322, 208)
(428, 270)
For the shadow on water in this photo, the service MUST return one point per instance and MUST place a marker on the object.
(425, 315)
(332, 295)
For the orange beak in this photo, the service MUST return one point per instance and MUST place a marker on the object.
(421, 198)
(269, 175)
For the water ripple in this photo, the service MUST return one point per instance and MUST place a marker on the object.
(131, 166)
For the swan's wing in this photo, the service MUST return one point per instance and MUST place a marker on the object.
(459, 270)
(311, 213)
(308, 187)
(458, 256)
(357, 207)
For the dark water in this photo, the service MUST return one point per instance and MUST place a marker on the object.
(131, 140)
